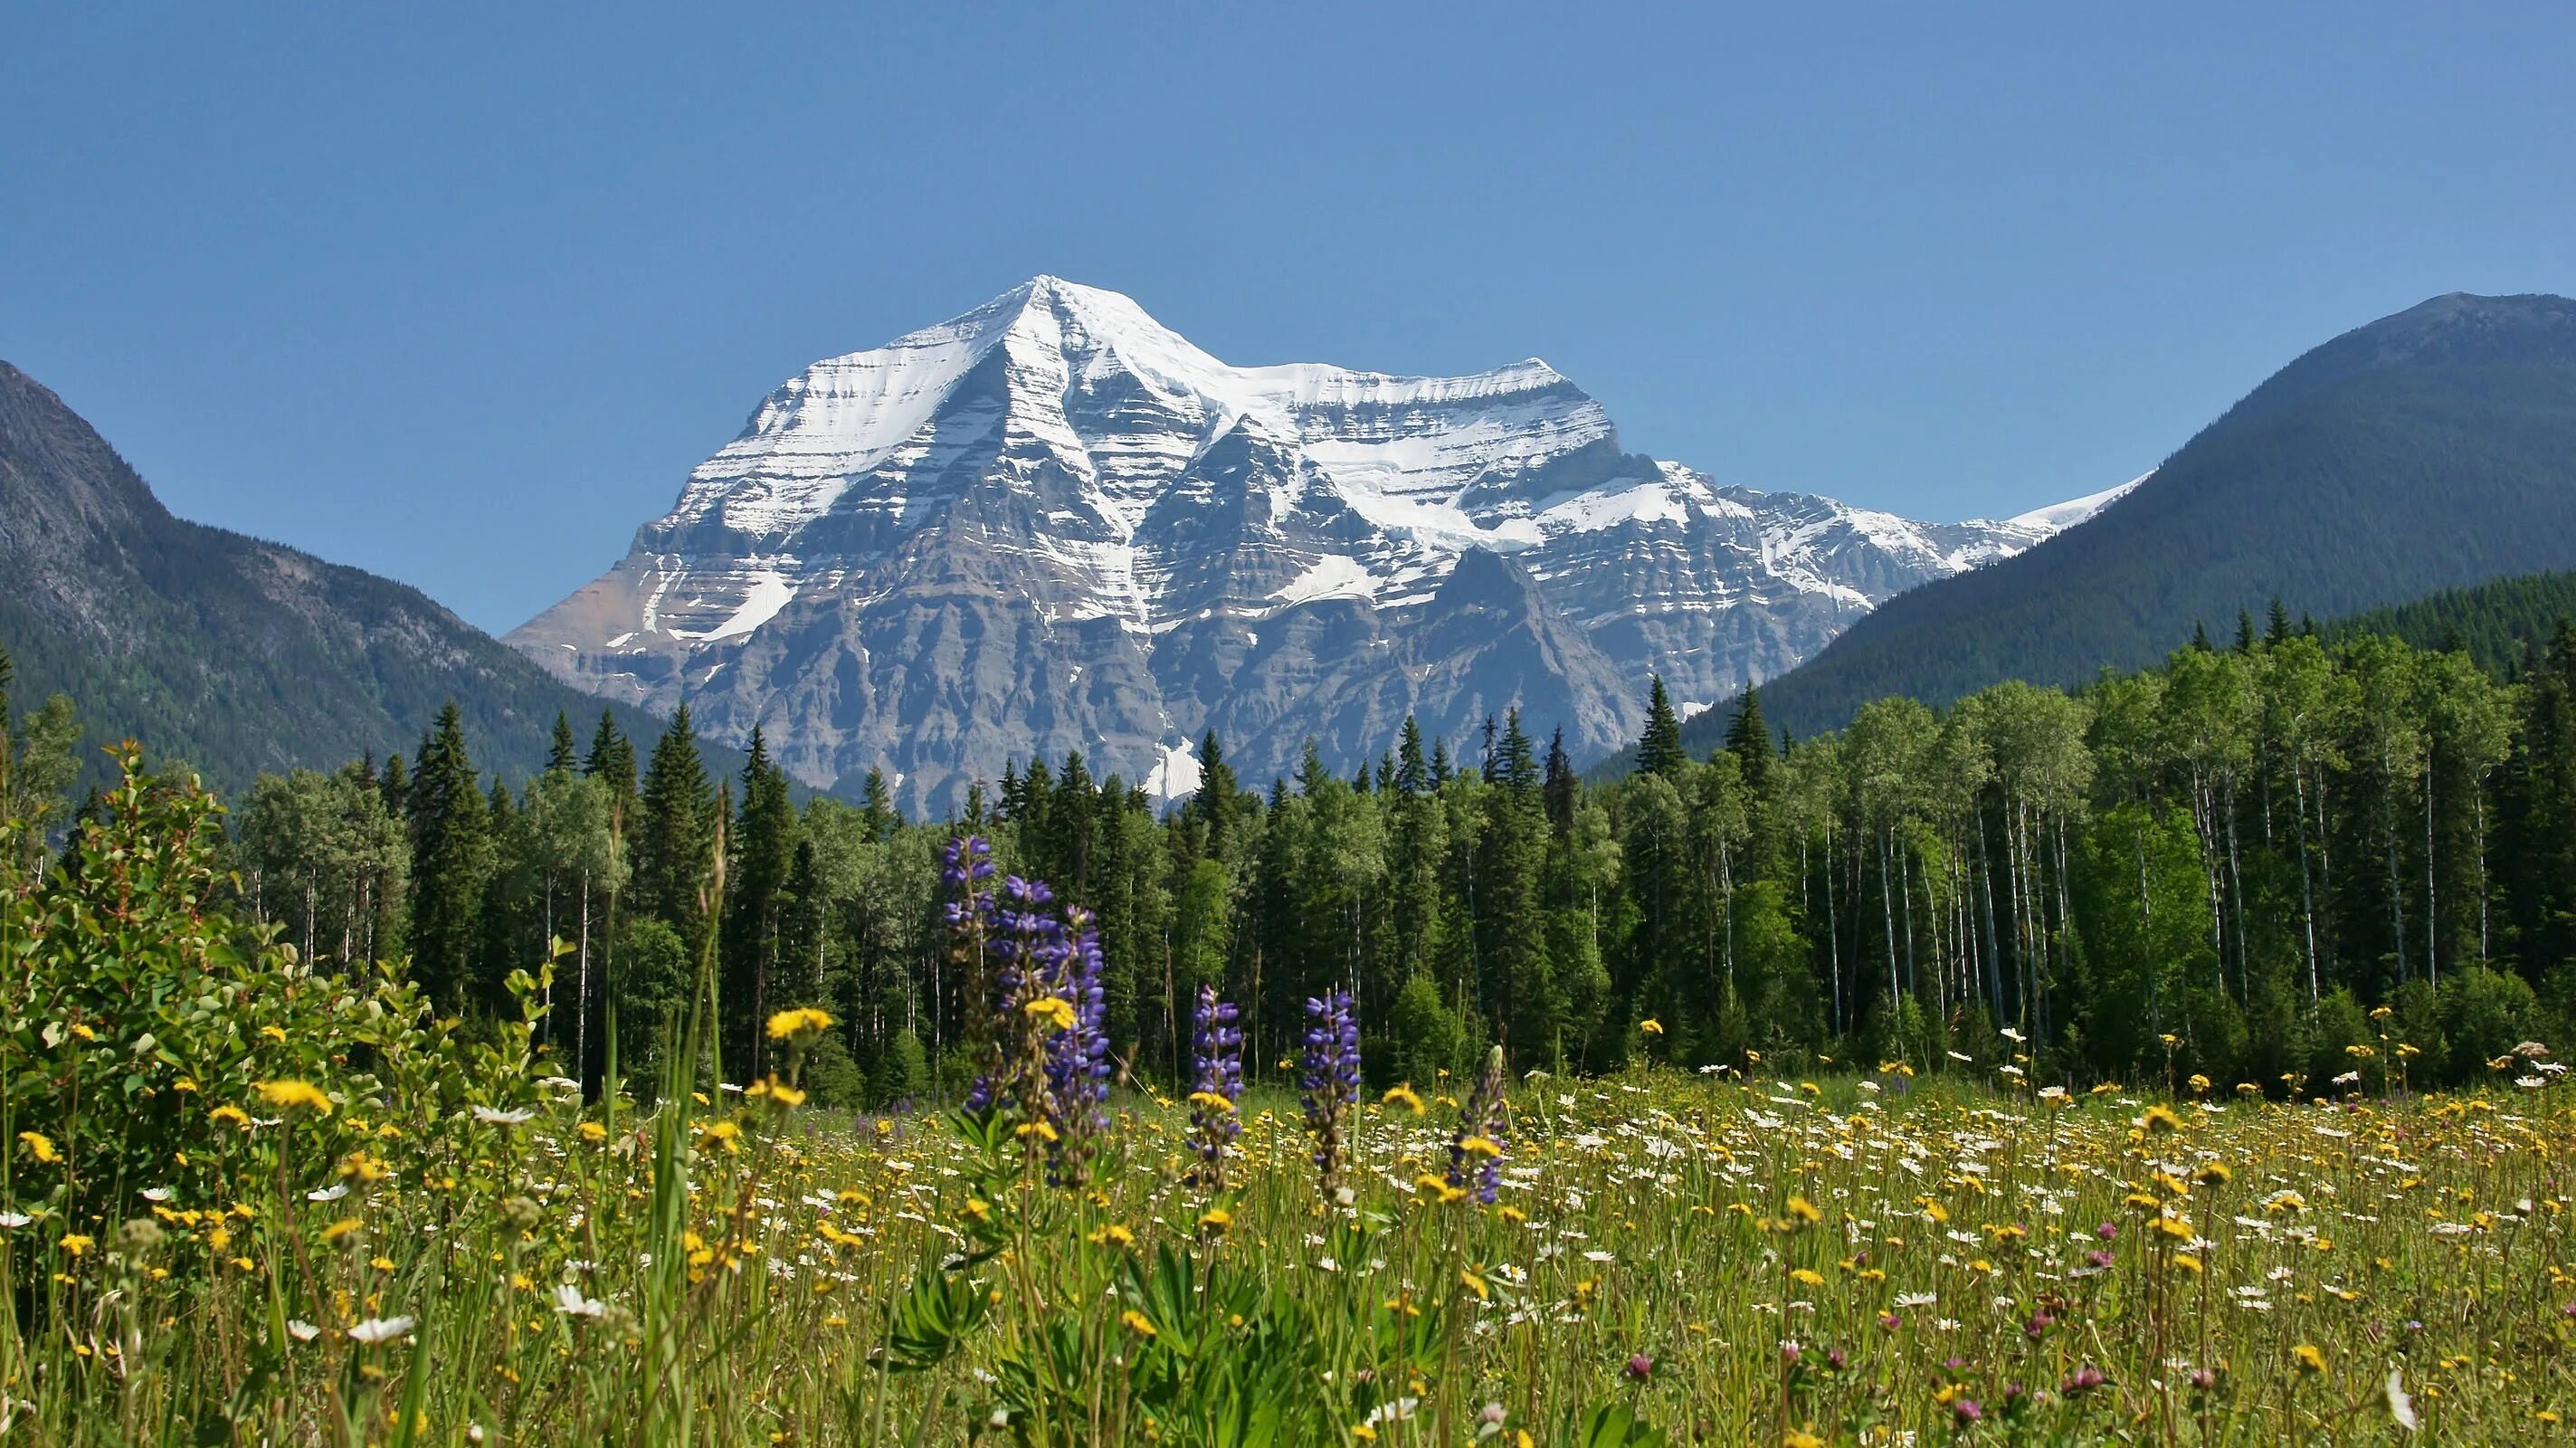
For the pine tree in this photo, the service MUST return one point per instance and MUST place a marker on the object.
(763, 842)
(395, 785)
(2277, 628)
(877, 799)
(1561, 784)
(451, 863)
(1659, 750)
(674, 835)
(1213, 806)
(1412, 772)
(1748, 738)
(1511, 924)
(560, 758)
(2244, 632)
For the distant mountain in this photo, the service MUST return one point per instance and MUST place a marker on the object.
(1053, 524)
(2432, 449)
(235, 655)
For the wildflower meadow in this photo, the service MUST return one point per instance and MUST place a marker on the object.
(245, 1201)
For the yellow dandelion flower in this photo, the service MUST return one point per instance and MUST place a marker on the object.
(2308, 1358)
(803, 1021)
(1805, 1211)
(40, 1146)
(1651, 1026)
(1480, 1146)
(1404, 1096)
(291, 1092)
(2159, 1117)
(1215, 1220)
(1113, 1234)
(339, 1229)
(1137, 1322)
(593, 1132)
(78, 1243)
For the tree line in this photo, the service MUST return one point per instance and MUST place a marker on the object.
(2282, 861)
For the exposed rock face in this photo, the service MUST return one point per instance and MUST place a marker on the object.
(1053, 524)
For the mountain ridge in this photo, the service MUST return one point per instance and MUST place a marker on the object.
(235, 654)
(1050, 522)
(2433, 448)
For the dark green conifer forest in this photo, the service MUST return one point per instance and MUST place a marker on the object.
(2258, 862)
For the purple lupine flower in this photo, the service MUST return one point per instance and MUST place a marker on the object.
(1481, 1116)
(1331, 1082)
(1216, 1084)
(1077, 1057)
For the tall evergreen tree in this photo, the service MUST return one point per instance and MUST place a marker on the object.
(1659, 750)
(763, 845)
(675, 834)
(450, 865)
(560, 758)
(1748, 738)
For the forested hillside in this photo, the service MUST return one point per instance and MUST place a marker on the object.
(2499, 624)
(2433, 449)
(233, 654)
(2219, 866)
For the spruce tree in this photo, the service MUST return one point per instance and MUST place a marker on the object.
(1748, 738)
(1659, 750)
(1213, 806)
(1412, 771)
(2278, 626)
(1561, 784)
(674, 835)
(883, 819)
(560, 758)
(763, 845)
(450, 865)
(394, 784)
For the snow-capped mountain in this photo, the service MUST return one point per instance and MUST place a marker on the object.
(1053, 524)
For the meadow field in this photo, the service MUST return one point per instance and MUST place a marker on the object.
(246, 1201)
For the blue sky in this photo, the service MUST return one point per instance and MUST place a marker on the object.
(460, 294)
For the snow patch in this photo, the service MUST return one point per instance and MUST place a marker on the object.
(2058, 517)
(769, 593)
(1332, 576)
(1174, 776)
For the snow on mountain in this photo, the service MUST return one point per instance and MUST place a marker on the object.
(1053, 523)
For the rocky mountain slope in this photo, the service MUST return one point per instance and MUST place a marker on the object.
(1053, 524)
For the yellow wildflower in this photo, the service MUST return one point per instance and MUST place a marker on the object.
(1137, 1322)
(2308, 1358)
(78, 1243)
(1651, 1026)
(1056, 1011)
(1404, 1096)
(804, 1020)
(295, 1093)
(40, 1146)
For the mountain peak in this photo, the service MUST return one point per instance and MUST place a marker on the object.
(1052, 522)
